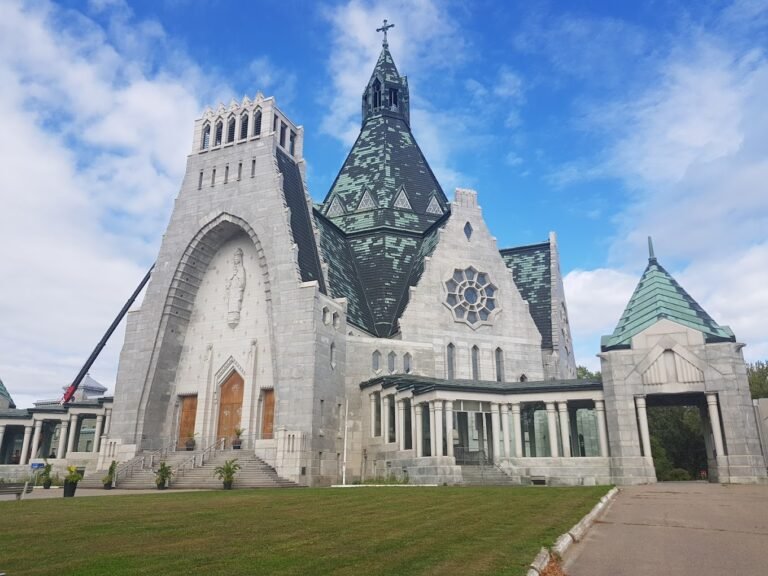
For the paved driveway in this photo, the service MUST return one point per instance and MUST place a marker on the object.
(694, 529)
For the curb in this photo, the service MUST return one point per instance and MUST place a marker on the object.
(575, 534)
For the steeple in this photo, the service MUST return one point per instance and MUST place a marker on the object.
(387, 91)
(657, 296)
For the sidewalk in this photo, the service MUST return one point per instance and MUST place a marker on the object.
(40, 494)
(684, 529)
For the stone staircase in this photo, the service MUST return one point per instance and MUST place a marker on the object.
(253, 473)
(488, 476)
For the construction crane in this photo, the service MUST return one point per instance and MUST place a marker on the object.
(70, 392)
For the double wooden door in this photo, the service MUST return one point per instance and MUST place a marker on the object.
(187, 420)
(230, 406)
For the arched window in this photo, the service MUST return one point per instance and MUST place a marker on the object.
(393, 98)
(523, 378)
(333, 355)
(257, 123)
(450, 356)
(376, 94)
(475, 363)
(219, 133)
(376, 361)
(231, 130)
(391, 359)
(244, 126)
(206, 140)
(407, 363)
(499, 365)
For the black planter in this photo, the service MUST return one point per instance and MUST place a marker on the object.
(236, 444)
(69, 489)
(228, 484)
(190, 447)
(108, 486)
(46, 484)
(162, 486)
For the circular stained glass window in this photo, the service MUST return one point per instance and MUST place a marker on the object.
(471, 296)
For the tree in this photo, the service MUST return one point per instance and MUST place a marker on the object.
(757, 374)
(583, 373)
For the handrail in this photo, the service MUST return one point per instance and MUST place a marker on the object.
(181, 468)
(126, 469)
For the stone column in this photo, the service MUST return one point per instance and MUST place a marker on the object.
(517, 429)
(401, 424)
(439, 427)
(23, 459)
(385, 419)
(63, 427)
(36, 439)
(418, 425)
(642, 416)
(449, 427)
(495, 430)
(602, 430)
(2, 434)
(505, 428)
(97, 433)
(432, 432)
(373, 415)
(72, 432)
(565, 426)
(107, 421)
(552, 429)
(714, 422)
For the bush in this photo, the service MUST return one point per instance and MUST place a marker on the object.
(679, 475)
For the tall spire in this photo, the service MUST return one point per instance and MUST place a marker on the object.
(384, 29)
(651, 255)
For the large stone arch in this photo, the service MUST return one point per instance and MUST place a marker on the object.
(153, 422)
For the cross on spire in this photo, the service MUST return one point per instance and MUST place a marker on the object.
(384, 29)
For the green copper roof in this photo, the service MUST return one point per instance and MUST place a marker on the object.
(5, 394)
(658, 296)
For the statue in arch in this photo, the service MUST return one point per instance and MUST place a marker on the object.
(235, 289)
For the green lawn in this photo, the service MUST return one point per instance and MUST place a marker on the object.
(360, 531)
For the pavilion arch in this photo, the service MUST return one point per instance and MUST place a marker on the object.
(177, 312)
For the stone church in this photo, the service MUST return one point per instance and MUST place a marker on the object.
(384, 332)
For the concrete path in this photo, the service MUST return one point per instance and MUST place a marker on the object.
(39, 493)
(676, 529)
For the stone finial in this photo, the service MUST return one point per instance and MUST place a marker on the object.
(651, 255)
(466, 197)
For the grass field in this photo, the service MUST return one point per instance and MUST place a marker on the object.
(360, 532)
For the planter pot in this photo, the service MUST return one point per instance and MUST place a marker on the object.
(46, 485)
(190, 447)
(161, 486)
(69, 488)
(236, 444)
(108, 486)
(228, 484)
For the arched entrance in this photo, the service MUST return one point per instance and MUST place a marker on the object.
(230, 407)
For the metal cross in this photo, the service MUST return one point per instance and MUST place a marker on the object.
(384, 29)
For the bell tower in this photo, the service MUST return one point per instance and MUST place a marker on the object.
(387, 91)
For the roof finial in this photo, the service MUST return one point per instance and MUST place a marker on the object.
(384, 29)
(651, 255)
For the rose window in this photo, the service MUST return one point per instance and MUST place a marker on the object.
(471, 297)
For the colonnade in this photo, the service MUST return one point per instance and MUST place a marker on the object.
(68, 431)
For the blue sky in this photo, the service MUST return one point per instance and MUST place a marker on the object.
(602, 121)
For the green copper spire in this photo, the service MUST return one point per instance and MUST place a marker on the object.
(5, 394)
(658, 296)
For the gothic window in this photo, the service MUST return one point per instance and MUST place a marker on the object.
(407, 363)
(292, 143)
(335, 209)
(376, 361)
(200, 181)
(376, 94)
(206, 140)
(257, 123)
(468, 230)
(326, 316)
(283, 129)
(450, 361)
(471, 297)
(499, 365)
(244, 126)
(391, 358)
(475, 363)
(219, 133)
(393, 98)
(333, 355)
(239, 170)
(274, 123)
(231, 130)
(253, 168)
(402, 200)
(366, 202)
(336, 320)
(226, 173)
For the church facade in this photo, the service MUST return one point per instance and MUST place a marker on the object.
(384, 332)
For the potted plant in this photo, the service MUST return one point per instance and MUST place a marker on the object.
(189, 443)
(45, 475)
(163, 476)
(70, 481)
(226, 472)
(109, 479)
(237, 441)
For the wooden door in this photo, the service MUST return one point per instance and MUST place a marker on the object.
(187, 420)
(267, 412)
(230, 406)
